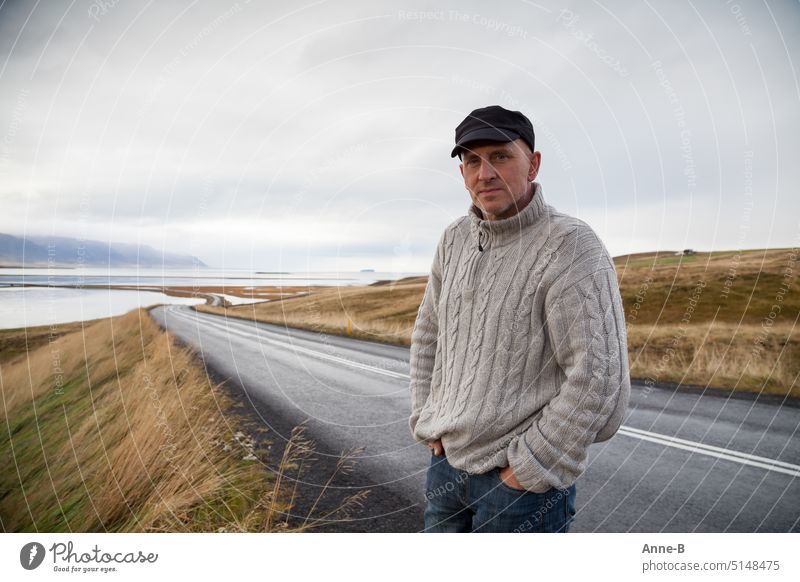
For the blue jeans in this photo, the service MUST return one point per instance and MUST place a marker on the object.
(461, 502)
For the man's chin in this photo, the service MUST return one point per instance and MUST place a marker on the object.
(493, 209)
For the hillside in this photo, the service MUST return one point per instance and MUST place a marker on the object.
(102, 435)
(43, 251)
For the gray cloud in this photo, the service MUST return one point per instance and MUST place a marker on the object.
(233, 127)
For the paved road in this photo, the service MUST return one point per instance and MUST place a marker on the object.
(682, 462)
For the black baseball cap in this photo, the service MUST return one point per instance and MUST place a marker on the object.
(493, 123)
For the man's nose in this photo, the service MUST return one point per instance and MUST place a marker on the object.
(486, 171)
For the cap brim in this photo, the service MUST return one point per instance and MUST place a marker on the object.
(485, 134)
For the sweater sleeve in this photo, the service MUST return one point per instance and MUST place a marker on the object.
(424, 338)
(586, 327)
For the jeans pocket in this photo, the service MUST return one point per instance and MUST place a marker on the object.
(506, 487)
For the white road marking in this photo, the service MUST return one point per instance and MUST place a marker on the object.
(712, 451)
(239, 329)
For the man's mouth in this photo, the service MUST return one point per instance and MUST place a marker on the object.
(488, 190)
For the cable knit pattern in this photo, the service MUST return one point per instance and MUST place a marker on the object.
(476, 342)
(519, 353)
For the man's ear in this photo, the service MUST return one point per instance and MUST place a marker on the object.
(533, 170)
(461, 169)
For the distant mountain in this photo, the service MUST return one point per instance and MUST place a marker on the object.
(41, 251)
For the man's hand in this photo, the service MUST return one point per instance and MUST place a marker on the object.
(437, 447)
(507, 475)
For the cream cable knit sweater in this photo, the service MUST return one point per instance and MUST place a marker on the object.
(518, 353)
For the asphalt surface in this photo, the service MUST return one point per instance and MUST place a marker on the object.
(684, 460)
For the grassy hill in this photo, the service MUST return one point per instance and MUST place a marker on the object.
(726, 319)
(113, 427)
(706, 319)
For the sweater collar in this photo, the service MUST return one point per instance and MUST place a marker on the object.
(507, 229)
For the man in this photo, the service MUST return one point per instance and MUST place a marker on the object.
(518, 354)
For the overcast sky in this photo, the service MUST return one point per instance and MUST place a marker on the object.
(293, 136)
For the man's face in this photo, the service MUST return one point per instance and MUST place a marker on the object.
(498, 176)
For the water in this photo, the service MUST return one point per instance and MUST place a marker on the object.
(55, 303)
(187, 277)
(32, 306)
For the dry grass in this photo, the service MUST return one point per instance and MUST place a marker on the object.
(709, 318)
(742, 357)
(384, 313)
(14, 342)
(737, 287)
(115, 428)
(727, 335)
